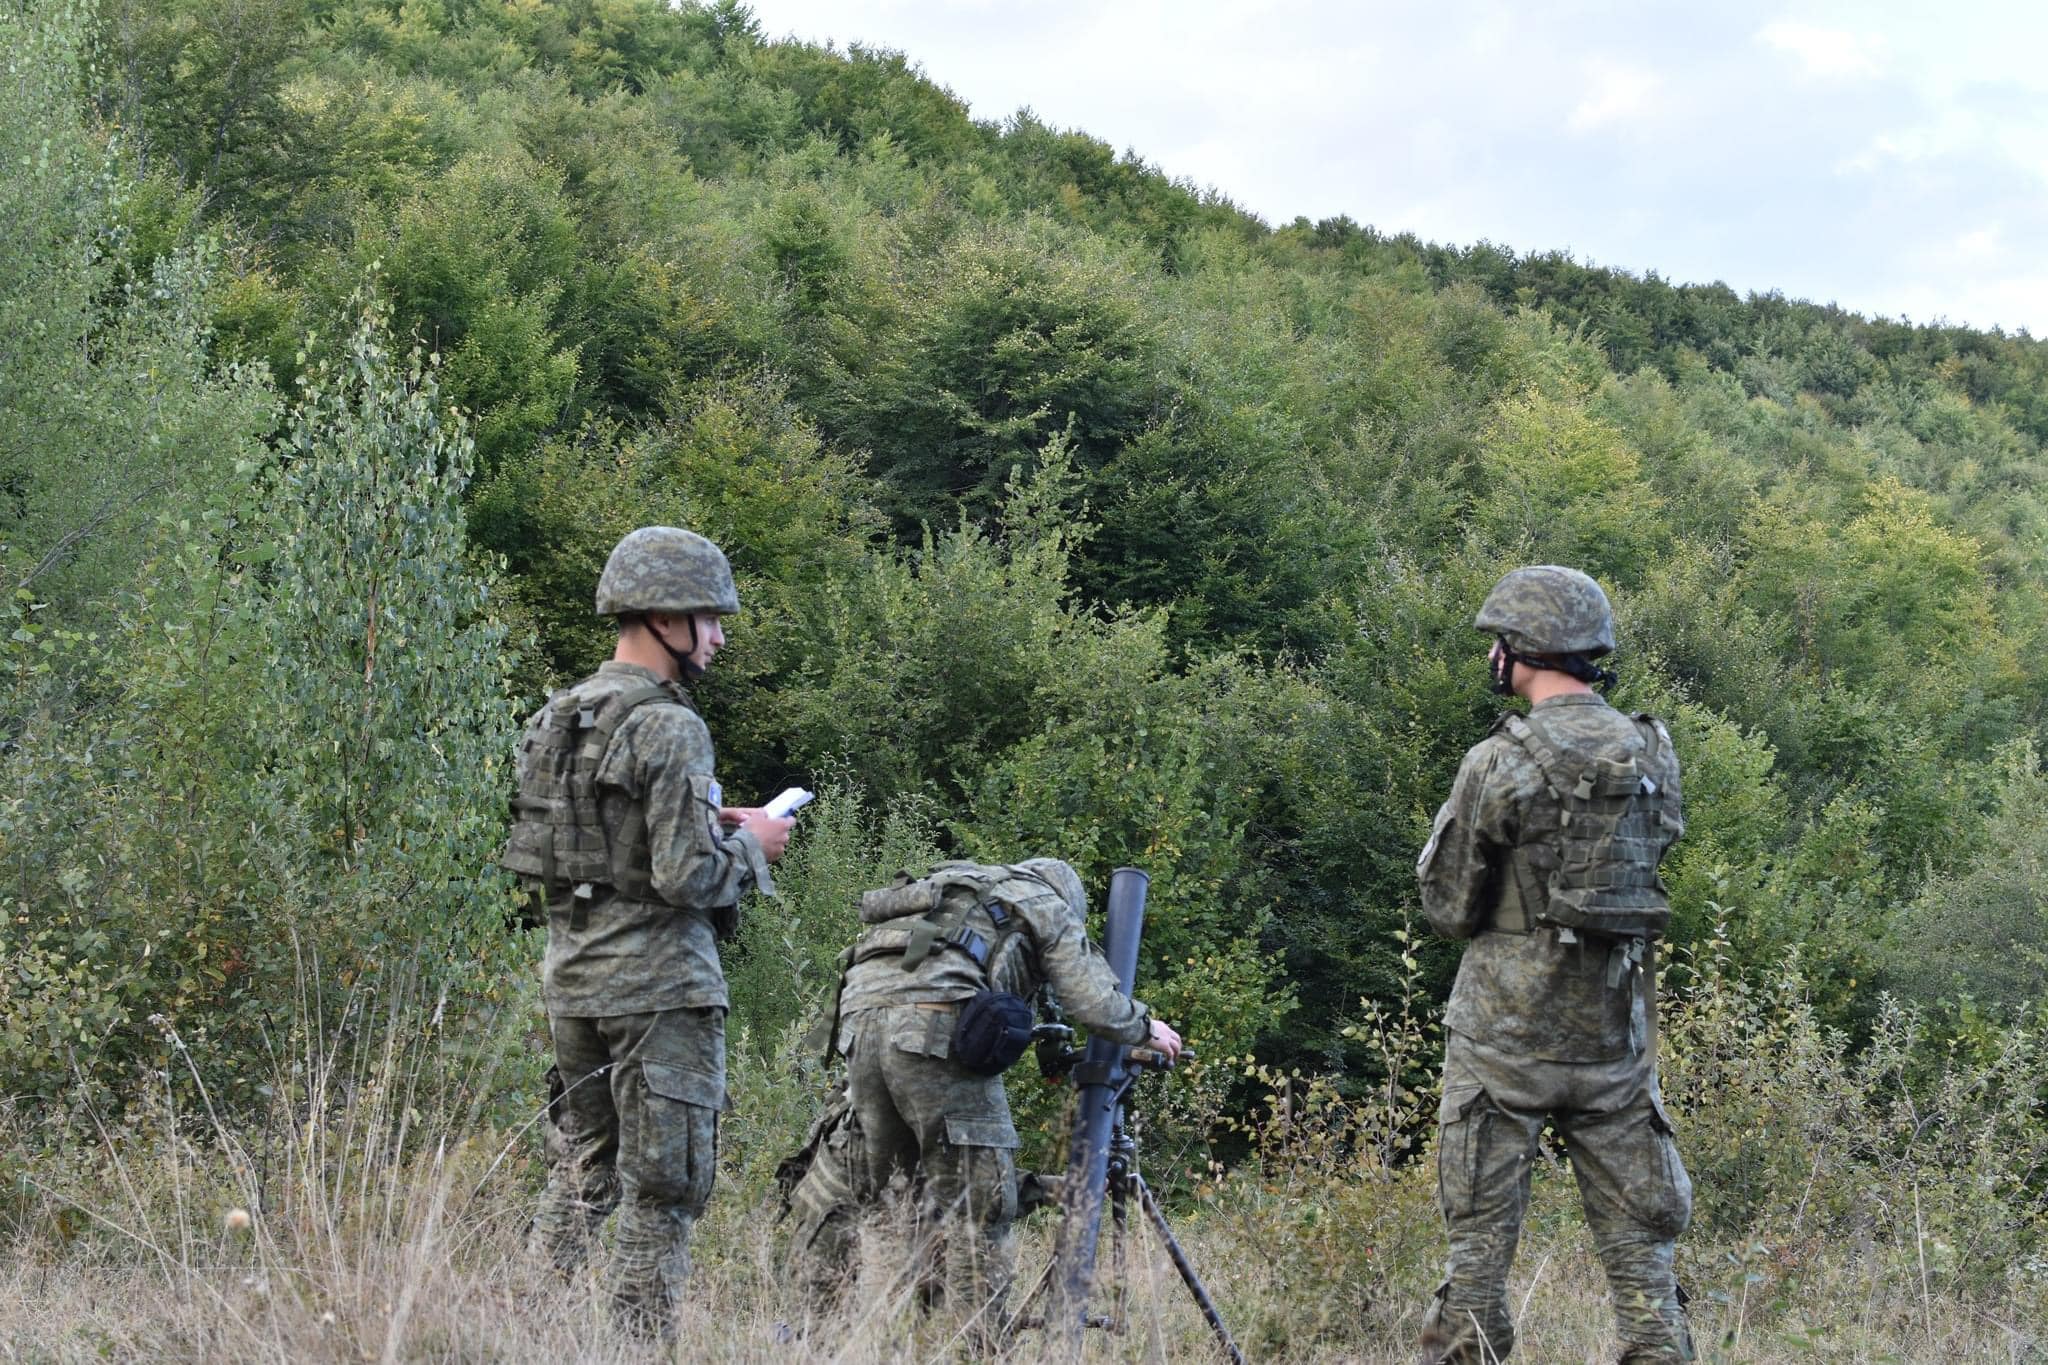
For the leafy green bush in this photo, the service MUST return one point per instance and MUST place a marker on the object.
(281, 772)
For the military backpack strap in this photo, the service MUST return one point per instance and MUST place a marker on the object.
(1654, 736)
(1010, 925)
(613, 711)
(1549, 759)
(1656, 739)
(1525, 887)
(601, 723)
(947, 927)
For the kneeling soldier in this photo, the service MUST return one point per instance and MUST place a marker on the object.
(931, 1011)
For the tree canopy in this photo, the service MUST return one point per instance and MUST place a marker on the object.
(1083, 511)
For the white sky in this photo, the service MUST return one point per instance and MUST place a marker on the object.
(1890, 157)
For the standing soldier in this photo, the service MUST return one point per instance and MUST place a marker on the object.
(930, 1012)
(620, 830)
(1545, 856)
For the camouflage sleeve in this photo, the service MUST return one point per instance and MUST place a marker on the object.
(664, 753)
(1673, 805)
(1476, 822)
(1080, 976)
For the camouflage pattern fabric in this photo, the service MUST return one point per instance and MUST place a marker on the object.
(664, 568)
(1549, 609)
(934, 1131)
(1542, 1030)
(1636, 1194)
(1591, 846)
(1052, 947)
(636, 1129)
(635, 956)
(636, 1002)
(919, 1122)
(1526, 993)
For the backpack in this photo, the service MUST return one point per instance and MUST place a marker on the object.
(558, 832)
(1592, 840)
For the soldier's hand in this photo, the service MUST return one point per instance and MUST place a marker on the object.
(771, 833)
(1164, 1040)
(732, 817)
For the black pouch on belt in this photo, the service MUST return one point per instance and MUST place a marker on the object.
(992, 1032)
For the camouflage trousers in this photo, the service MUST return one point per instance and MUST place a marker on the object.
(1635, 1191)
(633, 1127)
(918, 1122)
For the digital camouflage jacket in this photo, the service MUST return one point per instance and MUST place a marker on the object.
(1048, 942)
(1529, 994)
(628, 954)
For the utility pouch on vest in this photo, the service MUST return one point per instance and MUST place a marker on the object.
(993, 1031)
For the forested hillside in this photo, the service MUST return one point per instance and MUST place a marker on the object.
(1075, 511)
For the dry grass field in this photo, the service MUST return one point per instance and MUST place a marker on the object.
(381, 1232)
(432, 1274)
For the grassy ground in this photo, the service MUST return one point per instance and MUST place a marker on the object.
(134, 1259)
(1872, 1203)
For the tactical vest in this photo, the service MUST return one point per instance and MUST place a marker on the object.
(1592, 839)
(558, 831)
(955, 909)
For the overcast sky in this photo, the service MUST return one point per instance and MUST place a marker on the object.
(1890, 157)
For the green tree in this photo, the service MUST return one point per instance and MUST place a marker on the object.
(111, 417)
(1560, 486)
(201, 86)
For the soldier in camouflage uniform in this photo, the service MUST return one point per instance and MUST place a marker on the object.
(915, 1112)
(621, 832)
(1545, 857)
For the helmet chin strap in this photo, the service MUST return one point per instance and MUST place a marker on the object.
(1501, 667)
(686, 665)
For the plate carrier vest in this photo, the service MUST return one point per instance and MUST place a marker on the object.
(945, 902)
(1591, 841)
(558, 832)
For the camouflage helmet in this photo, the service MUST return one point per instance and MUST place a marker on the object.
(662, 568)
(1549, 609)
(1062, 878)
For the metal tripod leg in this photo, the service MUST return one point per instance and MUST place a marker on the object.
(1186, 1268)
(1121, 1178)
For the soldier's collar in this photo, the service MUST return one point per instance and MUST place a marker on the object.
(1570, 699)
(615, 668)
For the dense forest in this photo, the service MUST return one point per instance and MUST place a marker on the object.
(1075, 511)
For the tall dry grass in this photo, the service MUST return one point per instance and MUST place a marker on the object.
(1850, 1211)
